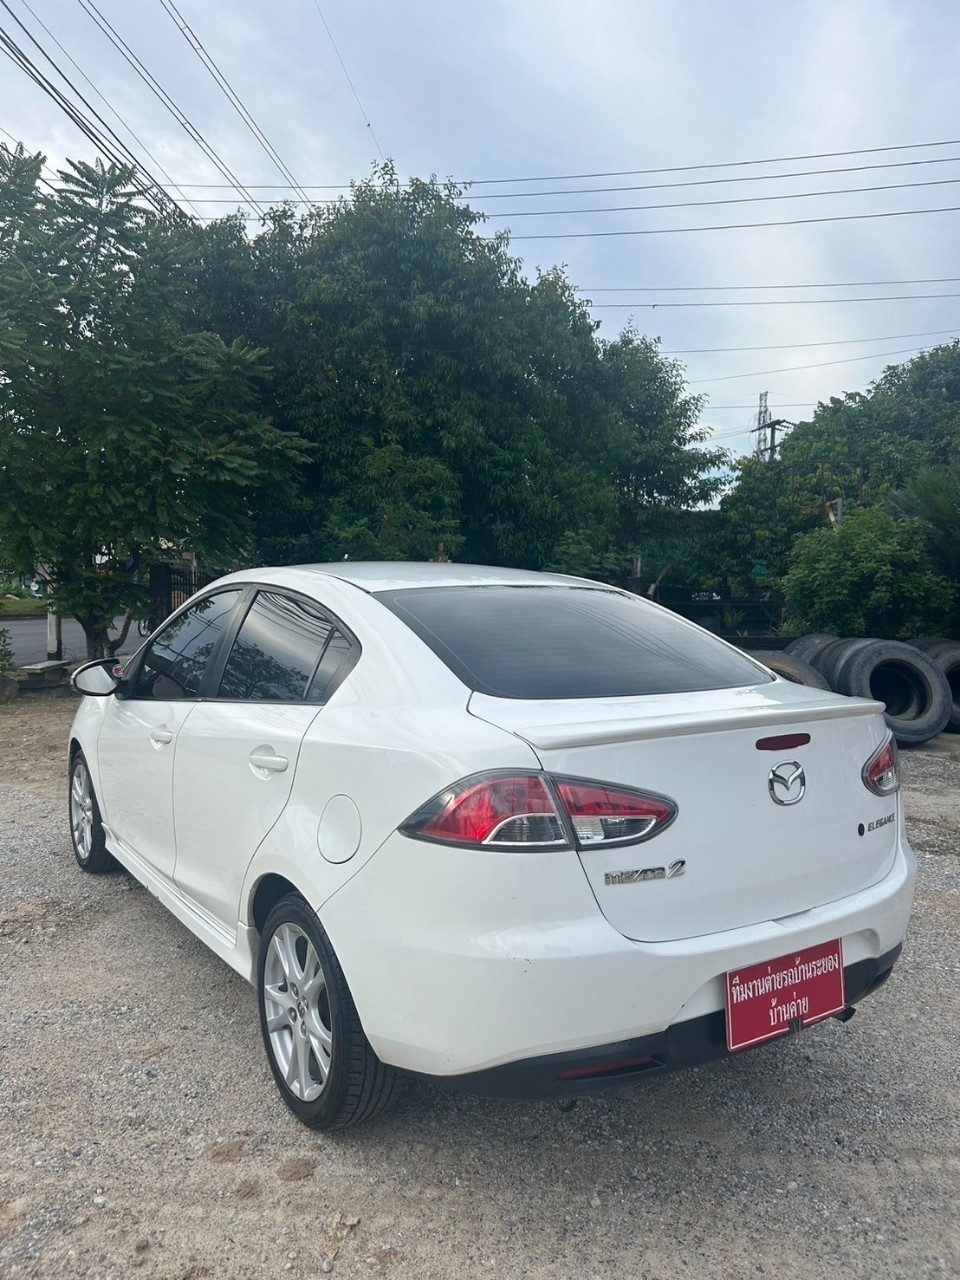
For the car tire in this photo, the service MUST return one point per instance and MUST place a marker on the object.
(913, 688)
(86, 829)
(791, 668)
(322, 1062)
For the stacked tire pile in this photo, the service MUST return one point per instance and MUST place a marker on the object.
(918, 683)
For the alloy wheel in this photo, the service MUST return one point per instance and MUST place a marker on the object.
(297, 1012)
(81, 810)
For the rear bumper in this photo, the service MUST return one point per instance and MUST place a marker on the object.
(461, 963)
(628, 1062)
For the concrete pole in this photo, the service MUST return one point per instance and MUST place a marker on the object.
(54, 637)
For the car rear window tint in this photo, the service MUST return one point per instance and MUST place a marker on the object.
(566, 642)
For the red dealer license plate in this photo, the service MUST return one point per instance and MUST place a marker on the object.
(769, 999)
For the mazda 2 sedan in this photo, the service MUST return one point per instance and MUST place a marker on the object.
(525, 834)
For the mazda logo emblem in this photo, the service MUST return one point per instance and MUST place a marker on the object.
(786, 782)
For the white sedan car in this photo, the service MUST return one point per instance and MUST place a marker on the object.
(526, 834)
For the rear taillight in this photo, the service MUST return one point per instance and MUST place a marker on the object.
(533, 811)
(612, 815)
(881, 773)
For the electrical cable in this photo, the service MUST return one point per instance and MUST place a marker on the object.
(139, 141)
(343, 67)
(763, 373)
(158, 199)
(791, 346)
(703, 204)
(230, 94)
(118, 151)
(725, 288)
(726, 164)
(739, 226)
(767, 302)
(92, 12)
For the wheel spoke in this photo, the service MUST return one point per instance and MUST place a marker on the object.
(272, 994)
(307, 1083)
(321, 1052)
(277, 1021)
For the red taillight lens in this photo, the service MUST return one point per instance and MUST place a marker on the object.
(881, 773)
(505, 811)
(536, 811)
(612, 815)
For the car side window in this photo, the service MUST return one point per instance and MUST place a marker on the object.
(174, 664)
(278, 651)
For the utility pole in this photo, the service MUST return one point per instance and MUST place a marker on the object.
(760, 430)
(766, 430)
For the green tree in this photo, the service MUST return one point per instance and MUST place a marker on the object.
(126, 438)
(449, 398)
(867, 576)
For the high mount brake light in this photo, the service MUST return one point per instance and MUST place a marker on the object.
(529, 811)
(881, 773)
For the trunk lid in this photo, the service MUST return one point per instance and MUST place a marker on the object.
(745, 857)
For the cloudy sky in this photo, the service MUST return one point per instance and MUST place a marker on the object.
(539, 92)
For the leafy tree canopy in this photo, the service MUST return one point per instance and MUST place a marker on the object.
(867, 576)
(448, 398)
(126, 436)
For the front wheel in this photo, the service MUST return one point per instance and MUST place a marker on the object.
(322, 1063)
(86, 829)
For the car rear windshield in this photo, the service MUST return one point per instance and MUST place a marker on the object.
(566, 642)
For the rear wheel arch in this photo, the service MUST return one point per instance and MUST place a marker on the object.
(266, 894)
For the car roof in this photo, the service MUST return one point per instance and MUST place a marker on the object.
(398, 575)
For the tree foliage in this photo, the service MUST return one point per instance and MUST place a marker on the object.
(448, 398)
(867, 576)
(126, 436)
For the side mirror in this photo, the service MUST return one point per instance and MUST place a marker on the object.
(98, 679)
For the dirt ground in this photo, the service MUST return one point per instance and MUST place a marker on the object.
(142, 1136)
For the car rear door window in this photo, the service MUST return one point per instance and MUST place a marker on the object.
(286, 650)
(175, 662)
(567, 642)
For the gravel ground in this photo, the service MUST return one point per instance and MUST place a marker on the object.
(142, 1134)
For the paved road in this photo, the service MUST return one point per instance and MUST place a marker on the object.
(28, 639)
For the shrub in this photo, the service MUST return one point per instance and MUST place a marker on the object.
(867, 576)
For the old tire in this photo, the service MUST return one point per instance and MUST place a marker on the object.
(806, 646)
(790, 667)
(912, 687)
(321, 1061)
(946, 654)
(928, 643)
(828, 659)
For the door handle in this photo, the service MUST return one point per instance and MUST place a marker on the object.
(268, 761)
(160, 737)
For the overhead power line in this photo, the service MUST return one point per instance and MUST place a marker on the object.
(762, 373)
(678, 204)
(753, 288)
(353, 90)
(110, 107)
(768, 302)
(92, 12)
(108, 142)
(792, 346)
(229, 93)
(725, 164)
(702, 204)
(657, 186)
(738, 226)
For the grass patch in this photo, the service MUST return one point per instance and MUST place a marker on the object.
(22, 608)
